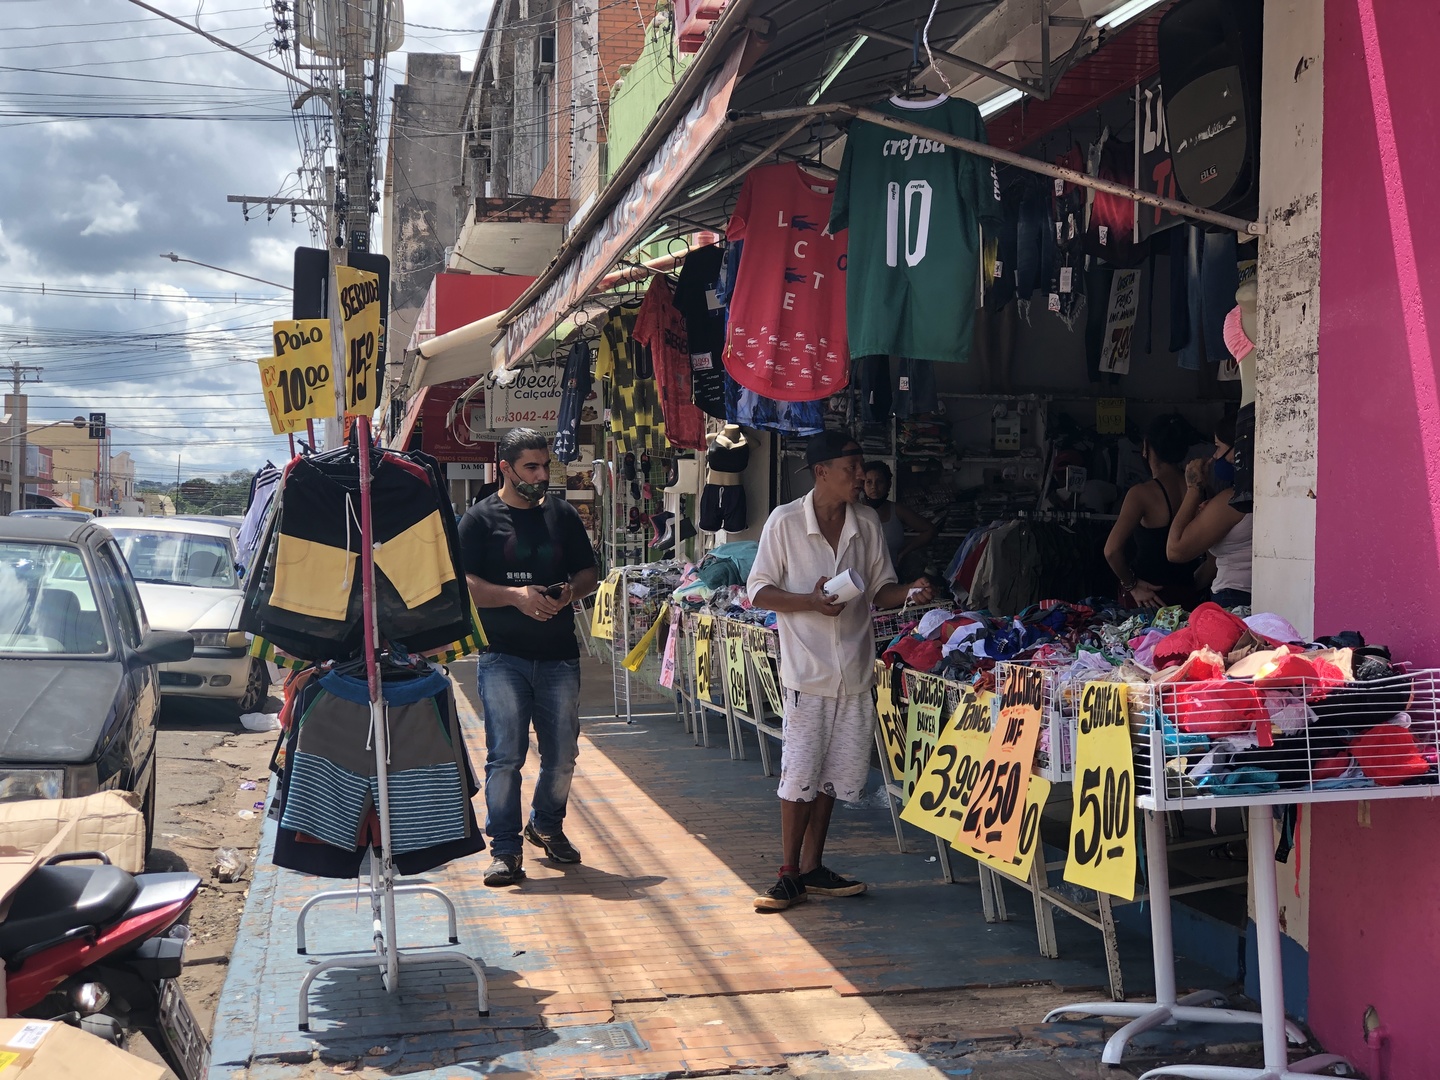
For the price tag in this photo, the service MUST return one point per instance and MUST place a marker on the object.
(992, 820)
(602, 619)
(713, 302)
(1059, 187)
(1110, 416)
(737, 686)
(1102, 822)
(1018, 867)
(702, 361)
(948, 778)
(359, 292)
(892, 721)
(764, 669)
(922, 725)
(1067, 279)
(704, 628)
(999, 269)
(1054, 303)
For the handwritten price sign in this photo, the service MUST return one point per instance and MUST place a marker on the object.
(922, 725)
(602, 619)
(1018, 867)
(704, 628)
(764, 668)
(737, 685)
(992, 821)
(892, 721)
(359, 292)
(950, 773)
(1102, 822)
(296, 380)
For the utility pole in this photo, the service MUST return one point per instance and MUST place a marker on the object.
(16, 404)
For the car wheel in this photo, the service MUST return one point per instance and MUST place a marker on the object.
(257, 686)
(151, 800)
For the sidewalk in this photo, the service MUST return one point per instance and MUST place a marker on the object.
(648, 959)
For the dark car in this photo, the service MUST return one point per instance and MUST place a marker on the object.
(79, 693)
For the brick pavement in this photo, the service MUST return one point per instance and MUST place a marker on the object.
(676, 839)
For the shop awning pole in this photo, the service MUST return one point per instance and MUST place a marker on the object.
(794, 130)
(943, 57)
(1008, 157)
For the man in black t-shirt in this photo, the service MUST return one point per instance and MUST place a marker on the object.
(527, 558)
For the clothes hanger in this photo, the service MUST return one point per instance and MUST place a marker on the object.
(911, 90)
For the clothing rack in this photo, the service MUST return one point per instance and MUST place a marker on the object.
(382, 866)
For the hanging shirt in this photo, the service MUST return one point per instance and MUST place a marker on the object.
(574, 390)
(913, 207)
(636, 418)
(661, 329)
(697, 296)
(787, 309)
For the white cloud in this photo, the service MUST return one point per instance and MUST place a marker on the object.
(111, 214)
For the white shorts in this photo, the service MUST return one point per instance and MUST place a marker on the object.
(827, 746)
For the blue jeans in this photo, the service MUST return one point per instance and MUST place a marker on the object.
(515, 693)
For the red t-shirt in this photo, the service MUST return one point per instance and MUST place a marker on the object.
(787, 311)
(660, 326)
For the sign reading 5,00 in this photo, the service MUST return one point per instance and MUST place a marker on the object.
(1102, 823)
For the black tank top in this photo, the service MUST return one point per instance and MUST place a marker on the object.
(1150, 563)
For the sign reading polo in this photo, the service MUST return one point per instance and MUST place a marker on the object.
(296, 380)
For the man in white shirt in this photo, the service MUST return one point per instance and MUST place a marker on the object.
(827, 656)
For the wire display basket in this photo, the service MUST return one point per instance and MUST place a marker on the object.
(1286, 739)
(888, 624)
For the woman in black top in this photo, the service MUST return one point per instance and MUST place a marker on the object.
(1135, 548)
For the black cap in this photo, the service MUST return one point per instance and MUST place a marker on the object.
(829, 445)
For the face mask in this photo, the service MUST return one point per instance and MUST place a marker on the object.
(531, 493)
(1224, 473)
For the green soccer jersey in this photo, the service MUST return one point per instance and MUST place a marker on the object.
(913, 207)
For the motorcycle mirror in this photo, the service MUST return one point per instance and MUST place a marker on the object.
(89, 998)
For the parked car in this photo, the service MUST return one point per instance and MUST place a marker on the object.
(53, 512)
(79, 691)
(188, 580)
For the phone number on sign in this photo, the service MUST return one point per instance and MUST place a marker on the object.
(531, 416)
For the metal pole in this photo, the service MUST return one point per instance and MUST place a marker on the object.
(1267, 937)
(1005, 157)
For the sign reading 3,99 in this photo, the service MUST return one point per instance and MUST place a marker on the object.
(1102, 821)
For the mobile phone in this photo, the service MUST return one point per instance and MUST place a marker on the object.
(554, 591)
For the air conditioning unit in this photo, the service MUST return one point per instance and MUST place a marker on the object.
(693, 19)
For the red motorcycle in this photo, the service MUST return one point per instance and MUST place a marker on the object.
(101, 949)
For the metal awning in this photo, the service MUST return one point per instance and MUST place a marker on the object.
(801, 72)
(460, 354)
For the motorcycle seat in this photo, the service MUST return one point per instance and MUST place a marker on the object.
(57, 899)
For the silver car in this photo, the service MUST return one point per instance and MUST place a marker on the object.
(187, 577)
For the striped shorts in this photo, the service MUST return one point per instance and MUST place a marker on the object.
(827, 746)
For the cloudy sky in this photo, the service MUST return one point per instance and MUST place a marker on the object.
(122, 135)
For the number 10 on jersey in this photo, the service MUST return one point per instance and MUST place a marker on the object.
(907, 208)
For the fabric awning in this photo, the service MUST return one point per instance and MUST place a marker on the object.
(460, 354)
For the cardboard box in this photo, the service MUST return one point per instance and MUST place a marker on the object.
(41, 1050)
(108, 822)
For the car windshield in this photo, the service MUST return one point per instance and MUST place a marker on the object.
(176, 558)
(47, 602)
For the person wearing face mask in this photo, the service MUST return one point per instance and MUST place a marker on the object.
(1210, 524)
(895, 519)
(527, 558)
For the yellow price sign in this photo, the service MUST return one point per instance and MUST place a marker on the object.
(737, 684)
(922, 725)
(359, 292)
(764, 669)
(1102, 821)
(892, 720)
(1018, 866)
(992, 821)
(602, 618)
(948, 778)
(296, 382)
(704, 630)
(1110, 416)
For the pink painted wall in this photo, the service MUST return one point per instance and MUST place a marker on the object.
(1375, 914)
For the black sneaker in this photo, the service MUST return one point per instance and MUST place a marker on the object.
(785, 893)
(556, 845)
(823, 882)
(505, 870)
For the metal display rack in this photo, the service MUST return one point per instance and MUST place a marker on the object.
(1332, 721)
(383, 889)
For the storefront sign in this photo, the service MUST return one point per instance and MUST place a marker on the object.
(737, 684)
(948, 778)
(1154, 173)
(992, 821)
(704, 629)
(359, 292)
(602, 619)
(1018, 866)
(892, 721)
(1102, 820)
(532, 399)
(1120, 322)
(683, 150)
(922, 725)
(764, 668)
(465, 470)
